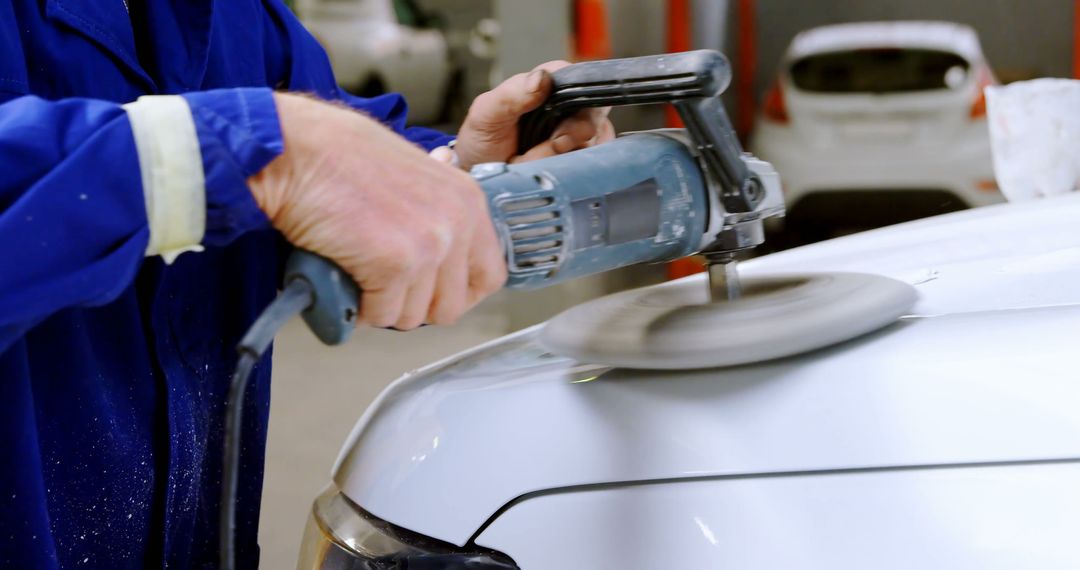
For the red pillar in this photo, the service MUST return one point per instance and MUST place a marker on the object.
(679, 38)
(591, 38)
(1076, 39)
(746, 68)
(678, 26)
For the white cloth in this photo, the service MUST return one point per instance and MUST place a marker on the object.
(172, 174)
(1035, 137)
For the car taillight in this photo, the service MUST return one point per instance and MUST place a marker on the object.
(978, 108)
(986, 79)
(775, 109)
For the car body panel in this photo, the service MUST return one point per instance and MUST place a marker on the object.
(982, 371)
(891, 160)
(978, 518)
(866, 119)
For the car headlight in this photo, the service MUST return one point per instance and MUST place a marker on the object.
(342, 536)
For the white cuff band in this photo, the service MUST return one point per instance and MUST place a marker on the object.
(172, 174)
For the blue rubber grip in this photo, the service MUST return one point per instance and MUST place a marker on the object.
(333, 313)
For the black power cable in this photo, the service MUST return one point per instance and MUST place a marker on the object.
(297, 296)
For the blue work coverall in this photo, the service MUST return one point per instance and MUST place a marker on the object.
(114, 367)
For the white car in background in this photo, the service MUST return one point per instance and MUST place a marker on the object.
(871, 124)
(386, 46)
(947, 440)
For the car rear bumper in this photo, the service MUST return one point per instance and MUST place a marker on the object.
(961, 168)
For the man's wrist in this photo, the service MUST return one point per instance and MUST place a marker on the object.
(239, 135)
(267, 185)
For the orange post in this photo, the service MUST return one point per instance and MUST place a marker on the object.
(747, 68)
(685, 267)
(1076, 39)
(678, 26)
(591, 39)
(679, 38)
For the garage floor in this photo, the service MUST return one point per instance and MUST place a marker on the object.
(318, 395)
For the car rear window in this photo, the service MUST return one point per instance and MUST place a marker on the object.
(879, 70)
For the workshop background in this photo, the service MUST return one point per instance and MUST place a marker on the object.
(448, 51)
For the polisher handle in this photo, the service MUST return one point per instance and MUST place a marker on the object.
(336, 304)
(667, 78)
(692, 81)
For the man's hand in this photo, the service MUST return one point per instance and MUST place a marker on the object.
(490, 134)
(413, 232)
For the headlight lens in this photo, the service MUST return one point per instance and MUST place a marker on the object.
(342, 536)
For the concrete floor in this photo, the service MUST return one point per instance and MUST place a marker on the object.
(320, 392)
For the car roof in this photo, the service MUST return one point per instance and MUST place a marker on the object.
(946, 36)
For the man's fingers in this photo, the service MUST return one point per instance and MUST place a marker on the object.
(381, 308)
(450, 289)
(501, 107)
(552, 66)
(487, 268)
(607, 132)
(573, 136)
(542, 150)
(507, 102)
(417, 301)
(443, 154)
(597, 115)
(580, 130)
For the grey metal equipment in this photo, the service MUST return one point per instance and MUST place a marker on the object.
(696, 192)
(724, 283)
(646, 197)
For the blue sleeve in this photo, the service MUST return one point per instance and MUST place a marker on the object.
(73, 228)
(299, 63)
(392, 110)
(239, 134)
(73, 225)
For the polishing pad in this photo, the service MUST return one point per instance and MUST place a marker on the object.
(676, 326)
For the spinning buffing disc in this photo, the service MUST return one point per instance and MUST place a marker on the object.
(675, 326)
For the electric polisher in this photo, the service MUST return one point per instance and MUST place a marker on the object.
(646, 197)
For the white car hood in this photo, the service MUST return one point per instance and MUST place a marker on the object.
(983, 371)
